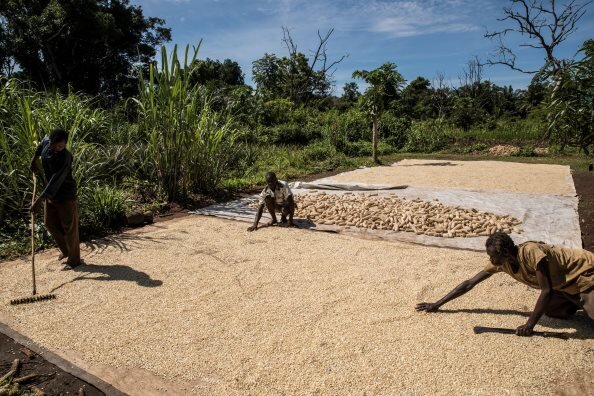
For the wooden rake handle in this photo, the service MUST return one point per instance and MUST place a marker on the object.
(33, 233)
(500, 330)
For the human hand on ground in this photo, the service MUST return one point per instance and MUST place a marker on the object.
(428, 307)
(525, 330)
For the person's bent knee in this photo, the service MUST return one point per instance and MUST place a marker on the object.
(565, 312)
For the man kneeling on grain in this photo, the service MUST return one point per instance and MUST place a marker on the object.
(564, 276)
(277, 197)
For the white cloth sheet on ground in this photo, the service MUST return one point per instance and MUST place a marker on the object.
(548, 218)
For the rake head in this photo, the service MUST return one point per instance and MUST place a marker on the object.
(32, 299)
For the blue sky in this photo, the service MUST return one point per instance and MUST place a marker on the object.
(421, 37)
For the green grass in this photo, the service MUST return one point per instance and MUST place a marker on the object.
(293, 162)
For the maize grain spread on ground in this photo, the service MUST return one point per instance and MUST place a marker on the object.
(197, 305)
(393, 213)
(204, 304)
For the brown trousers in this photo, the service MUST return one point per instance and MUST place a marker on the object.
(563, 305)
(61, 220)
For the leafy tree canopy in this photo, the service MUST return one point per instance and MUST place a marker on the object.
(90, 45)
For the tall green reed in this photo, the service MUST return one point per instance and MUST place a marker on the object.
(189, 145)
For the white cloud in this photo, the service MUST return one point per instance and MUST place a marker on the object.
(392, 18)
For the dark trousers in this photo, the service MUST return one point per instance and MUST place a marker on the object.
(563, 305)
(61, 220)
(273, 207)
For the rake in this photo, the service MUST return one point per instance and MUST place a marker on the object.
(35, 297)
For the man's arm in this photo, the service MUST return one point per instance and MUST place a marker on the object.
(546, 293)
(257, 219)
(459, 290)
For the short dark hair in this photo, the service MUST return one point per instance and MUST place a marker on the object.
(501, 244)
(270, 176)
(58, 135)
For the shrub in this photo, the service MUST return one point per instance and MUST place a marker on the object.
(525, 151)
(393, 129)
(427, 137)
(319, 151)
(101, 208)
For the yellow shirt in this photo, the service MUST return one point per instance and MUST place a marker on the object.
(571, 270)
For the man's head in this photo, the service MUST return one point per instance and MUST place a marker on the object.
(271, 180)
(501, 248)
(58, 139)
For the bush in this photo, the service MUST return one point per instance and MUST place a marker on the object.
(363, 148)
(525, 151)
(427, 137)
(284, 134)
(319, 151)
(102, 208)
(474, 148)
(393, 129)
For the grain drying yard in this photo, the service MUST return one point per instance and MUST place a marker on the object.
(197, 305)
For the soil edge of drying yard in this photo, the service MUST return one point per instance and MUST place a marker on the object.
(35, 359)
(584, 187)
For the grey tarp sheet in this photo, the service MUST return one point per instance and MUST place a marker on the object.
(548, 218)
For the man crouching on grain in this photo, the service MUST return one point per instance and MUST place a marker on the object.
(277, 197)
(564, 276)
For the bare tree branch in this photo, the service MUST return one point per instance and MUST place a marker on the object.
(541, 21)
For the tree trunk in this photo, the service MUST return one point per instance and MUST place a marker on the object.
(374, 139)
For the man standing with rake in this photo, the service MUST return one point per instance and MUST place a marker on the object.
(59, 195)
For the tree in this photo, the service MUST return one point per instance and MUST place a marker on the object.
(88, 45)
(296, 77)
(225, 73)
(416, 99)
(571, 109)
(349, 98)
(385, 83)
(546, 25)
(441, 95)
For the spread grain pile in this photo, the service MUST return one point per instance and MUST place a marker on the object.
(399, 214)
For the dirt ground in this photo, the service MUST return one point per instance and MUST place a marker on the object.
(218, 310)
(212, 309)
(584, 186)
(52, 380)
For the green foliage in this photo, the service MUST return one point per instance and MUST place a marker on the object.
(88, 45)
(526, 151)
(571, 108)
(102, 207)
(291, 78)
(427, 137)
(217, 73)
(385, 83)
(474, 148)
(277, 111)
(466, 114)
(363, 148)
(25, 116)
(394, 129)
(319, 151)
(189, 145)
